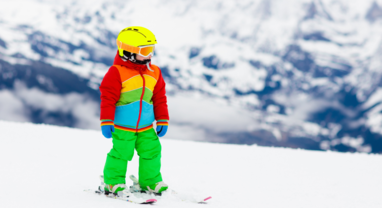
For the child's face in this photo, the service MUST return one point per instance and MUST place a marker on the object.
(141, 58)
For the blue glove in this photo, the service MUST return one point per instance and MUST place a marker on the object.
(106, 130)
(161, 130)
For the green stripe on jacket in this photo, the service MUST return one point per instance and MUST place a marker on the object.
(135, 95)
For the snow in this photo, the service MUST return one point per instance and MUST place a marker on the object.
(84, 110)
(12, 110)
(49, 166)
(209, 114)
(237, 33)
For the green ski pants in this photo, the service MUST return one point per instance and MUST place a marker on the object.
(149, 150)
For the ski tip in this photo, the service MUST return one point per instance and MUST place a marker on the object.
(151, 200)
(208, 198)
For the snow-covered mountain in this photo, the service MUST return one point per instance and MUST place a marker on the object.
(48, 166)
(299, 73)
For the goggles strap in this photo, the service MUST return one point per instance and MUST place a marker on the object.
(142, 62)
(132, 57)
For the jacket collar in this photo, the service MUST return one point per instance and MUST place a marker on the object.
(128, 64)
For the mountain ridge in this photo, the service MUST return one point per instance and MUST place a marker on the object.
(302, 70)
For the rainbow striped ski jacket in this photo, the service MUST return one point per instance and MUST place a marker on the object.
(133, 97)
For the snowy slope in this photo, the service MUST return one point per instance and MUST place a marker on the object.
(47, 166)
(305, 73)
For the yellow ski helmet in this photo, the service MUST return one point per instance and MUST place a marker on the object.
(131, 38)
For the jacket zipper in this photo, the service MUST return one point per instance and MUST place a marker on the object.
(140, 105)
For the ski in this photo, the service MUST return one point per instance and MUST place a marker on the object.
(203, 201)
(123, 198)
(135, 188)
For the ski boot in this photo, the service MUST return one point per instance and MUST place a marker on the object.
(135, 188)
(116, 190)
(156, 189)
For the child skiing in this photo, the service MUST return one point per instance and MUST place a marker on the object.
(133, 96)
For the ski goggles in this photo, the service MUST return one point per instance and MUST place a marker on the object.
(144, 51)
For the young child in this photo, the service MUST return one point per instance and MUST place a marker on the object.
(133, 96)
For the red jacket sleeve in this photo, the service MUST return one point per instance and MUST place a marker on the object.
(110, 88)
(160, 101)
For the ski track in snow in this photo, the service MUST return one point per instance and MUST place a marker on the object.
(48, 166)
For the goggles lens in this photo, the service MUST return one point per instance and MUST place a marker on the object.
(143, 50)
(146, 50)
